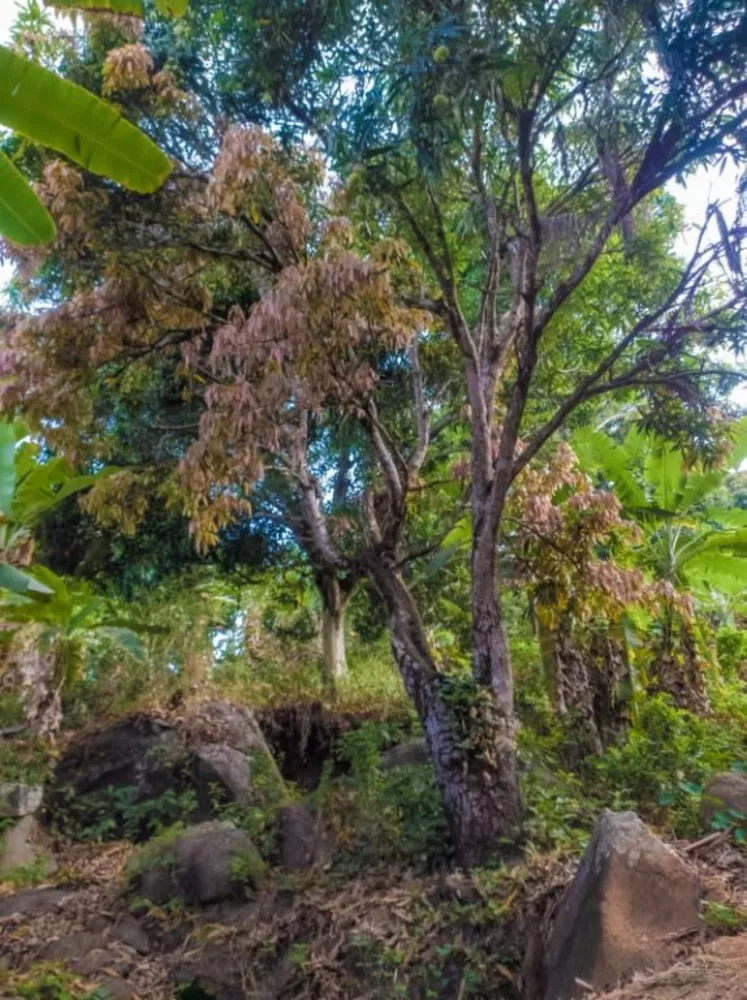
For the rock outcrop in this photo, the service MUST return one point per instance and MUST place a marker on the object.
(146, 767)
(24, 843)
(303, 840)
(631, 897)
(725, 793)
(17, 800)
(207, 863)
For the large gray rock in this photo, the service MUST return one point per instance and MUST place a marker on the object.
(142, 755)
(129, 931)
(228, 768)
(213, 745)
(17, 799)
(303, 840)
(631, 895)
(25, 844)
(225, 722)
(724, 793)
(31, 902)
(207, 863)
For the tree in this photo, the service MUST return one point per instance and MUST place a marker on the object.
(516, 183)
(48, 109)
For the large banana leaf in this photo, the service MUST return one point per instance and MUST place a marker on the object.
(21, 583)
(662, 469)
(23, 218)
(734, 542)
(738, 451)
(722, 572)
(7, 467)
(124, 637)
(728, 517)
(134, 7)
(597, 452)
(71, 120)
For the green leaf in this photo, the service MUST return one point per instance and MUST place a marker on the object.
(7, 466)
(23, 218)
(728, 517)
(663, 472)
(133, 7)
(738, 452)
(65, 117)
(719, 571)
(596, 452)
(21, 583)
(172, 8)
(698, 485)
(124, 637)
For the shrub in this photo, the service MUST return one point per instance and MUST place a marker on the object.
(117, 812)
(661, 767)
(383, 815)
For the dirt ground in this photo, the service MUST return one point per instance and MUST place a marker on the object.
(716, 972)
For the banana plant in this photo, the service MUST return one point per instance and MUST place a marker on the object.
(69, 620)
(53, 639)
(56, 113)
(694, 545)
(28, 489)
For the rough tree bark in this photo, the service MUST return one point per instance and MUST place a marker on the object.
(587, 675)
(677, 667)
(469, 737)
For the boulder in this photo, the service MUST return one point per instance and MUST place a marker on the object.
(129, 931)
(114, 988)
(19, 800)
(406, 754)
(24, 844)
(225, 722)
(726, 792)
(107, 772)
(207, 863)
(303, 839)
(223, 765)
(73, 946)
(117, 781)
(630, 897)
(31, 902)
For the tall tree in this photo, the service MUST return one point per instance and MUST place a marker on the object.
(517, 180)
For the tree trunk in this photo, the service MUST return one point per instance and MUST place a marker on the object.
(471, 741)
(612, 682)
(335, 594)
(587, 672)
(333, 644)
(574, 693)
(678, 669)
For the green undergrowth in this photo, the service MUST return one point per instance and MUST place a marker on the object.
(47, 981)
(663, 765)
(116, 813)
(26, 876)
(372, 685)
(25, 760)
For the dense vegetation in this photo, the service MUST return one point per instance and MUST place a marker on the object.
(399, 394)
